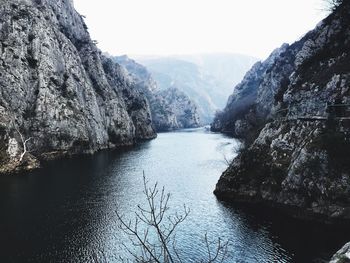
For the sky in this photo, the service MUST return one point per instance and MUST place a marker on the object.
(178, 27)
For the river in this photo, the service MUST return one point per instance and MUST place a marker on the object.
(66, 210)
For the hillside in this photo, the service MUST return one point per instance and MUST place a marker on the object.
(292, 113)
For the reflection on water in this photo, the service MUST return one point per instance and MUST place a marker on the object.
(67, 210)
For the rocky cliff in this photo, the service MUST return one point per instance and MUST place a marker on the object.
(59, 94)
(171, 109)
(181, 105)
(292, 111)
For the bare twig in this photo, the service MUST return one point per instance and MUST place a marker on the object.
(152, 232)
(24, 141)
(227, 161)
(331, 5)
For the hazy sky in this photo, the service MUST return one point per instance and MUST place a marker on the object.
(168, 27)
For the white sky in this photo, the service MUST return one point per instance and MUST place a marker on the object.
(174, 27)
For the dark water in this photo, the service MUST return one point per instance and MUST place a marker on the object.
(65, 211)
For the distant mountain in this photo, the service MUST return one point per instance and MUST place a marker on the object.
(170, 108)
(207, 79)
(227, 68)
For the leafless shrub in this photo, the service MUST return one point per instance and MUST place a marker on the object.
(152, 231)
(331, 5)
(226, 159)
(23, 140)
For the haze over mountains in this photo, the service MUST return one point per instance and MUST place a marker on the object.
(171, 108)
(208, 79)
(60, 96)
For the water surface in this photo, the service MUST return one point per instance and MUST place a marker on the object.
(66, 210)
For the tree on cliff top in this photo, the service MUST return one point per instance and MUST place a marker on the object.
(331, 5)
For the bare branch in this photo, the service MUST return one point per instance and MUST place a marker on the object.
(23, 140)
(153, 232)
(227, 161)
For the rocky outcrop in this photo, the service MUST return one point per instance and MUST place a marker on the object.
(58, 89)
(171, 109)
(298, 155)
(343, 255)
(181, 105)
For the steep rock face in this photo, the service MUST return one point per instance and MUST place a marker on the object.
(139, 74)
(171, 109)
(300, 158)
(57, 88)
(136, 102)
(343, 255)
(252, 99)
(182, 106)
(163, 116)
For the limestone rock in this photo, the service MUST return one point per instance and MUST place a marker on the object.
(58, 89)
(297, 147)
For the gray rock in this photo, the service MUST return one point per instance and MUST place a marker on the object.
(171, 108)
(181, 106)
(343, 255)
(58, 89)
(297, 154)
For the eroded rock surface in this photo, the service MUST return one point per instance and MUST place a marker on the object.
(292, 111)
(58, 89)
